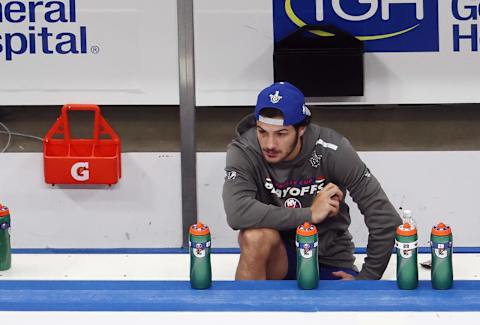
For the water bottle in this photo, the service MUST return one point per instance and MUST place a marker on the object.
(441, 244)
(5, 248)
(200, 266)
(307, 256)
(407, 249)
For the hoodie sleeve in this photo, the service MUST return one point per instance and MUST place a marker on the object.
(242, 208)
(381, 218)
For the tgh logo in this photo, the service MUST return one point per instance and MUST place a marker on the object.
(383, 25)
(373, 7)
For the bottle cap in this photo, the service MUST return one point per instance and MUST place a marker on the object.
(4, 211)
(199, 229)
(306, 229)
(406, 230)
(441, 229)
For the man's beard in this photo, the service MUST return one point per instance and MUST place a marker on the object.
(289, 151)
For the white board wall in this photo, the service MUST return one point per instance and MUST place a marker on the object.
(131, 56)
(144, 209)
(234, 49)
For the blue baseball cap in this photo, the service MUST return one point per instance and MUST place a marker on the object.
(286, 98)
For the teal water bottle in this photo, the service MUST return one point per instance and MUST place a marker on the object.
(200, 266)
(5, 248)
(307, 256)
(442, 268)
(406, 242)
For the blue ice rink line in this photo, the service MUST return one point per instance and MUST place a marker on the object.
(360, 250)
(231, 296)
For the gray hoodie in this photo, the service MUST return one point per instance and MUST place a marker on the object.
(278, 196)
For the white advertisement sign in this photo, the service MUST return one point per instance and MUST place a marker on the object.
(416, 51)
(88, 51)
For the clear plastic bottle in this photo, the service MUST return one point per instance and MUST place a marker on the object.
(406, 242)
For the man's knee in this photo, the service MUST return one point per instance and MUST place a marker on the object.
(260, 239)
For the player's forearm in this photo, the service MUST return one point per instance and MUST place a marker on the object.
(381, 219)
(379, 252)
(249, 213)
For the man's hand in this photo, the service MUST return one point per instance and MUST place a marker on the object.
(326, 203)
(343, 275)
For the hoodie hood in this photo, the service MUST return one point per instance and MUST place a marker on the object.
(246, 138)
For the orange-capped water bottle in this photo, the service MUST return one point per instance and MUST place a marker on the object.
(200, 266)
(307, 256)
(5, 248)
(442, 268)
(407, 248)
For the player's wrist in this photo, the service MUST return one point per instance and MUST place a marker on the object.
(317, 217)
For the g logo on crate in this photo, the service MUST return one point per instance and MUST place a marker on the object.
(80, 171)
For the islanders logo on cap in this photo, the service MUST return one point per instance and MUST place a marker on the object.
(383, 25)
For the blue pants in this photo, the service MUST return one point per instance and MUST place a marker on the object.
(325, 270)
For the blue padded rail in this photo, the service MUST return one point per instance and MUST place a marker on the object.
(233, 296)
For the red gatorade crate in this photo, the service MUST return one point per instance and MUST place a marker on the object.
(81, 161)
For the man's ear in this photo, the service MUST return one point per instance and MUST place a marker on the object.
(301, 130)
